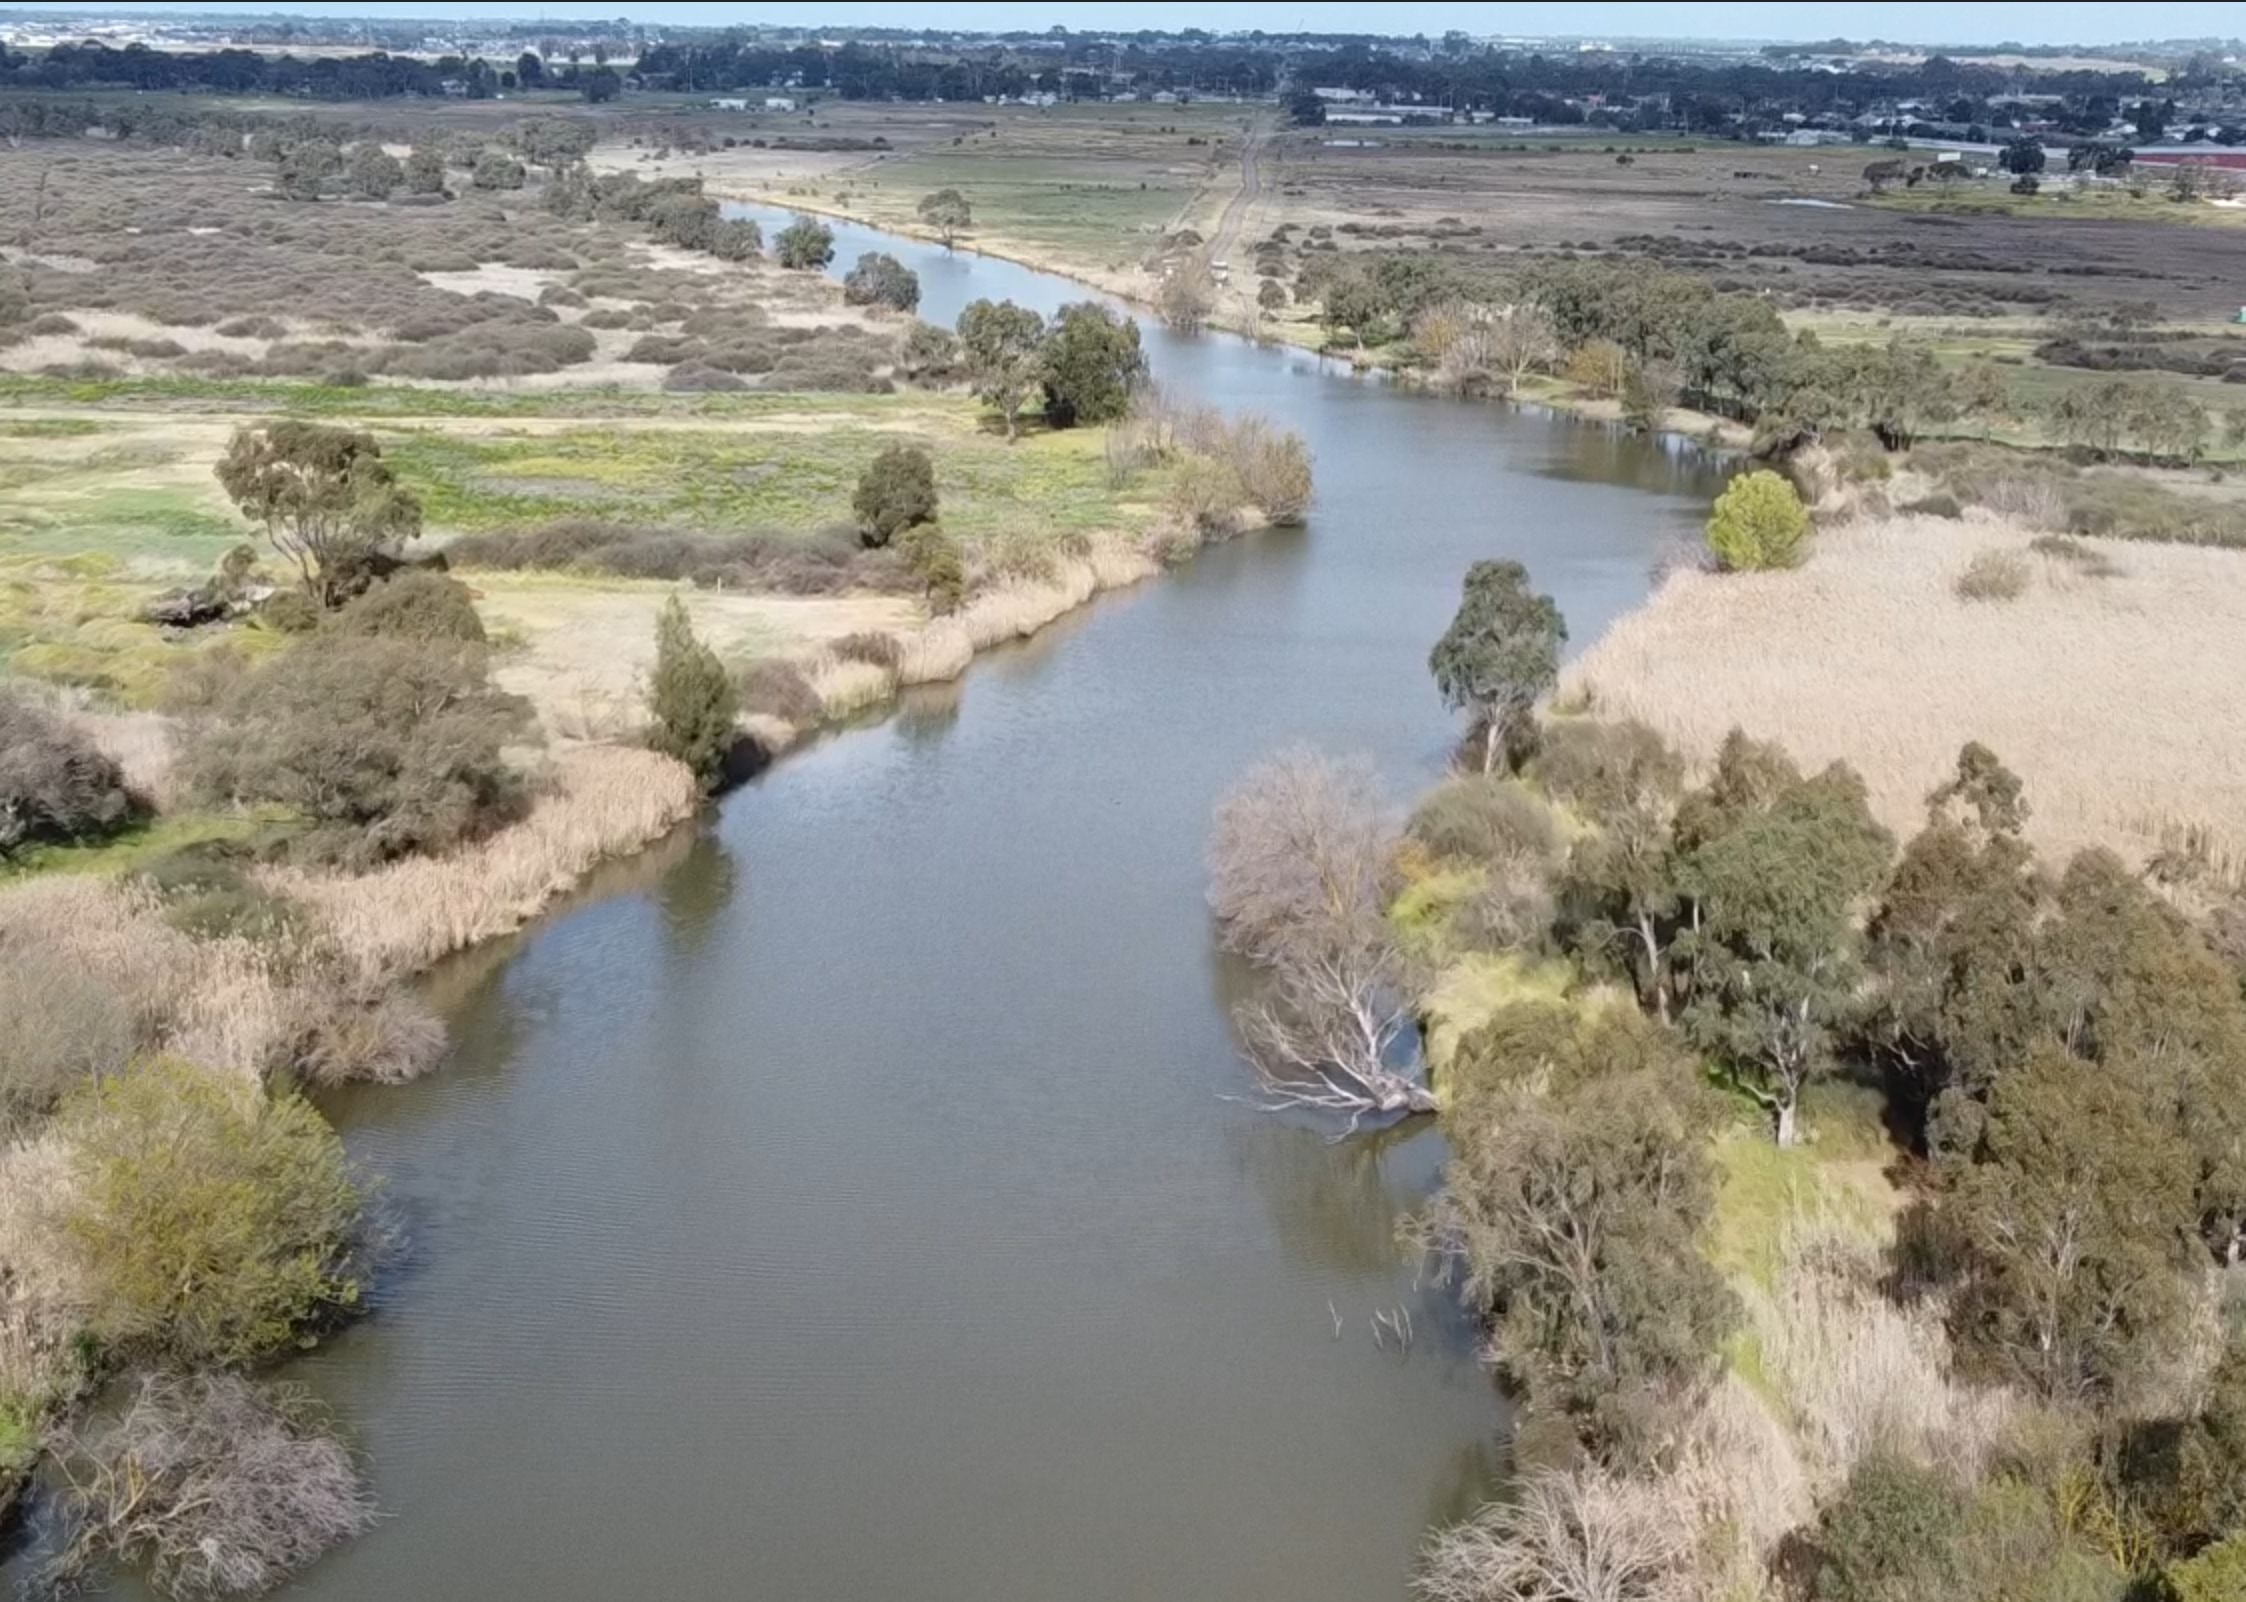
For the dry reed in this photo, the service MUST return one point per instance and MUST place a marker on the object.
(2116, 699)
(604, 800)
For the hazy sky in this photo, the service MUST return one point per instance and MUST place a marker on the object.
(2036, 23)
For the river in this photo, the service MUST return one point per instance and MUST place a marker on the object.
(843, 1202)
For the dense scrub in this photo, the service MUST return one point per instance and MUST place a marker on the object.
(383, 745)
(56, 785)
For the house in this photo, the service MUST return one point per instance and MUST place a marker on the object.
(779, 102)
(1331, 96)
(730, 105)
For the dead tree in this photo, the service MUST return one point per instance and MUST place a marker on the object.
(1300, 869)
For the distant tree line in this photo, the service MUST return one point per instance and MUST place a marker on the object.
(375, 75)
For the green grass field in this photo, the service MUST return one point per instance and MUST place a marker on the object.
(783, 480)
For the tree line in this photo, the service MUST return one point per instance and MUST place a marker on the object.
(1652, 337)
(375, 75)
(2059, 1048)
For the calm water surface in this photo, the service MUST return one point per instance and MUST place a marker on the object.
(842, 1202)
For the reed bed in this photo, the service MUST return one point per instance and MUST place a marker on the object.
(2114, 688)
(603, 801)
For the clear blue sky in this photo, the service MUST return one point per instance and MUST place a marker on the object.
(1903, 20)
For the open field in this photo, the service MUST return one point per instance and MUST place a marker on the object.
(109, 509)
(1059, 186)
(2115, 698)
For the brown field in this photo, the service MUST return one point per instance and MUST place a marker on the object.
(1094, 190)
(2117, 699)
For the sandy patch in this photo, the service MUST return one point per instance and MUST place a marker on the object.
(524, 283)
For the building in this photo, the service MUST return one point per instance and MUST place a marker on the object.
(779, 102)
(730, 105)
(2231, 157)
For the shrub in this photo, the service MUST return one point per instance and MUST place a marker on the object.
(736, 239)
(1759, 522)
(2216, 1575)
(897, 491)
(804, 245)
(289, 612)
(1993, 576)
(2084, 559)
(1890, 1536)
(1205, 495)
(495, 169)
(374, 172)
(1272, 469)
(880, 279)
(691, 699)
(386, 746)
(217, 1486)
(211, 1222)
(50, 323)
(208, 893)
(1485, 820)
(930, 355)
(873, 648)
(935, 561)
(416, 604)
(693, 378)
(55, 784)
(777, 689)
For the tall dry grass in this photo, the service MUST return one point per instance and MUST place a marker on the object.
(218, 1001)
(2117, 696)
(1858, 1373)
(604, 800)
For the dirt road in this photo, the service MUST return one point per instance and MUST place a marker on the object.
(1251, 186)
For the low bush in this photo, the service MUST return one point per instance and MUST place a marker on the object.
(897, 491)
(2087, 560)
(1205, 495)
(384, 746)
(804, 245)
(289, 612)
(345, 1034)
(822, 565)
(1272, 468)
(210, 1222)
(217, 1487)
(1483, 819)
(56, 785)
(777, 689)
(929, 355)
(879, 279)
(415, 604)
(50, 323)
(936, 563)
(1891, 1536)
(693, 378)
(255, 326)
(209, 893)
(1993, 576)
(1758, 522)
(872, 648)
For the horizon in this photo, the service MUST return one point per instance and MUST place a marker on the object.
(1895, 22)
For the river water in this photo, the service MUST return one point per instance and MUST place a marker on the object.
(842, 1201)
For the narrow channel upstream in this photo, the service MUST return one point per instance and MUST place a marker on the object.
(843, 1202)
